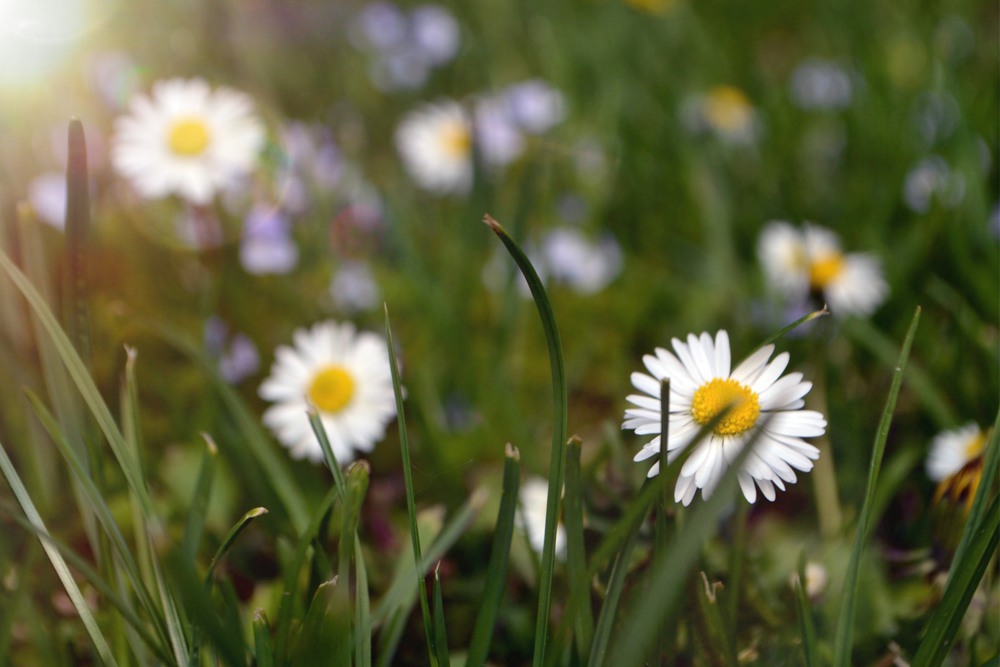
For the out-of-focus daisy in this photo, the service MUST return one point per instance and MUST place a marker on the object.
(933, 180)
(267, 245)
(810, 261)
(344, 374)
(584, 265)
(702, 385)
(187, 139)
(816, 579)
(435, 143)
(498, 138)
(952, 449)
(534, 106)
(821, 85)
(724, 111)
(530, 516)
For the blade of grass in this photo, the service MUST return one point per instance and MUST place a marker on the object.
(794, 325)
(84, 384)
(557, 461)
(411, 507)
(58, 562)
(263, 655)
(660, 525)
(280, 479)
(440, 632)
(806, 629)
(198, 508)
(650, 613)
(123, 606)
(77, 233)
(362, 612)
(576, 557)
(322, 638)
(316, 422)
(496, 572)
(715, 625)
(845, 624)
(230, 538)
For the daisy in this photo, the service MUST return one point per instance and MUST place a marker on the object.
(724, 111)
(701, 386)
(341, 373)
(952, 449)
(532, 505)
(187, 139)
(810, 261)
(435, 143)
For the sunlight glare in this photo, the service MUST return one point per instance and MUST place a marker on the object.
(36, 37)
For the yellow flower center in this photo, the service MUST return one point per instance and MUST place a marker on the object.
(975, 447)
(715, 396)
(823, 271)
(188, 137)
(331, 389)
(456, 140)
(727, 109)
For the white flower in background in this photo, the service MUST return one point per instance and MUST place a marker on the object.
(47, 196)
(498, 138)
(267, 245)
(952, 449)
(816, 579)
(354, 288)
(724, 111)
(187, 139)
(345, 376)
(572, 258)
(435, 143)
(380, 25)
(800, 262)
(701, 386)
(821, 85)
(436, 33)
(932, 179)
(530, 516)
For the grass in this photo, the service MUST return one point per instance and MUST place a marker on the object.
(151, 517)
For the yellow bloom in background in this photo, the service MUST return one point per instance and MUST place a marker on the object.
(800, 262)
(724, 111)
(187, 139)
(345, 376)
(701, 386)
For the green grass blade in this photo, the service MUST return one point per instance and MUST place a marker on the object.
(198, 508)
(947, 618)
(794, 325)
(324, 443)
(77, 233)
(411, 508)
(199, 607)
(991, 468)
(263, 653)
(58, 562)
(806, 629)
(356, 488)
(440, 631)
(230, 538)
(845, 624)
(612, 596)
(557, 461)
(496, 572)
(275, 468)
(323, 638)
(649, 614)
(576, 557)
(362, 612)
(84, 384)
(123, 606)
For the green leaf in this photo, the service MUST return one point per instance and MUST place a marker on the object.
(411, 507)
(316, 422)
(557, 461)
(496, 571)
(195, 524)
(362, 612)
(324, 638)
(576, 557)
(440, 632)
(844, 641)
(230, 538)
(263, 654)
(806, 629)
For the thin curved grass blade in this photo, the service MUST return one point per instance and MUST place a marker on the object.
(576, 557)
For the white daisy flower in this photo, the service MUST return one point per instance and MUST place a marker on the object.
(530, 517)
(724, 111)
(798, 262)
(345, 376)
(701, 386)
(952, 449)
(435, 143)
(187, 139)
